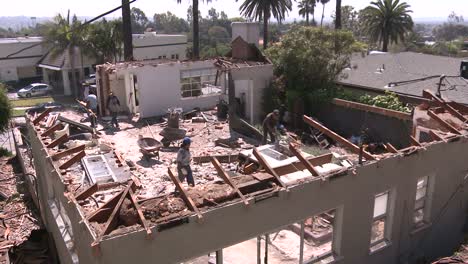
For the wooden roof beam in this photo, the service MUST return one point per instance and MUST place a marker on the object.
(67, 152)
(261, 160)
(337, 137)
(442, 103)
(443, 122)
(142, 218)
(52, 129)
(304, 161)
(391, 148)
(58, 141)
(73, 160)
(414, 142)
(188, 201)
(227, 179)
(41, 116)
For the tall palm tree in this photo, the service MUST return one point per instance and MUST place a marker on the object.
(196, 28)
(338, 15)
(264, 9)
(387, 21)
(306, 8)
(323, 2)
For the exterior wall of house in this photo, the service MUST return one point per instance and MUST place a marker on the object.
(153, 46)
(21, 65)
(354, 193)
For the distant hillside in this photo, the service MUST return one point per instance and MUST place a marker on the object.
(18, 22)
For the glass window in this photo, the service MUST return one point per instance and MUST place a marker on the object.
(380, 221)
(198, 82)
(420, 202)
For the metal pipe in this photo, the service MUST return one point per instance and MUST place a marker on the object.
(301, 247)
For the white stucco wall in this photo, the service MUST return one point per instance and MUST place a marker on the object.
(27, 58)
(152, 46)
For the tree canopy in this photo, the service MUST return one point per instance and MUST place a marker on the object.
(5, 108)
(387, 21)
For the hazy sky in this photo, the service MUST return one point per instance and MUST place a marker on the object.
(39, 8)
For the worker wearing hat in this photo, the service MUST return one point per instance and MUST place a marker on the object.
(269, 125)
(183, 162)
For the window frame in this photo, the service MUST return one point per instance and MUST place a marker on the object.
(424, 204)
(192, 77)
(385, 240)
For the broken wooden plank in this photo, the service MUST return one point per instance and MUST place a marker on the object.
(58, 141)
(373, 109)
(73, 160)
(440, 102)
(391, 148)
(414, 142)
(443, 122)
(220, 158)
(83, 195)
(304, 161)
(337, 137)
(314, 161)
(227, 179)
(76, 124)
(104, 211)
(112, 221)
(268, 168)
(189, 202)
(459, 107)
(67, 152)
(52, 129)
(41, 116)
(140, 213)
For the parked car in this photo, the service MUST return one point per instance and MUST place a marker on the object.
(35, 89)
(91, 79)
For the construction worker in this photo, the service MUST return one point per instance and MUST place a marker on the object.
(91, 107)
(183, 162)
(269, 125)
(113, 105)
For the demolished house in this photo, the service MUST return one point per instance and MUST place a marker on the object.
(333, 201)
(150, 87)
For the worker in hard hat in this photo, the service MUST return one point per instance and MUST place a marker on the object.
(269, 126)
(183, 162)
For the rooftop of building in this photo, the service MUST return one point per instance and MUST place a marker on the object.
(407, 73)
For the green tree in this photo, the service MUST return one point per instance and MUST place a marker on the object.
(261, 9)
(387, 21)
(195, 28)
(104, 39)
(306, 8)
(139, 20)
(323, 2)
(65, 35)
(170, 23)
(5, 108)
(308, 61)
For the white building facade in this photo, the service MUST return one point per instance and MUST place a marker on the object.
(151, 45)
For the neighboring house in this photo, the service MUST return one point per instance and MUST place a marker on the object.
(151, 87)
(406, 74)
(18, 64)
(151, 45)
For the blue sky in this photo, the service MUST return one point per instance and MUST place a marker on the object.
(421, 8)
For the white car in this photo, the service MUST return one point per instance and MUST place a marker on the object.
(35, 89)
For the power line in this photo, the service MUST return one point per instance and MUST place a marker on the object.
(72, 30)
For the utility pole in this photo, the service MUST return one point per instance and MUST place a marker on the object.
(127, 30)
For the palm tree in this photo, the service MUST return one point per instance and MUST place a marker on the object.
(64, 34)
(387, 21)
(263, 9)
(323, 2)
(338, 15)
(196, 29)
(306, 8)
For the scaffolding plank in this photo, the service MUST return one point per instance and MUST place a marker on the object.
(227, 179)
(337, 137)
(304, 161)
(41, 116)
(391, 148)
(443, 122)
(85, 194)
(52, 129)
(58, 141)
(189, 202)
(144, 223)
(268, 168)
(67, 152)
(73, 160)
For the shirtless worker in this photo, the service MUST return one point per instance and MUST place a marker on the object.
(269, 126)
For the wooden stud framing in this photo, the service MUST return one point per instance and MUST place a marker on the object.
(414, 142)
(443, 122)
(227, 179)
(83, 195)
(268, 168)
(73, 160)
(58, 141)
(41, 116)
(391, 148)
(304, 161)
(429, 95)
(67, 152)
(189, 202)
(140, 213)
(337, 137)
(52, 129)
